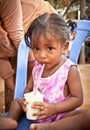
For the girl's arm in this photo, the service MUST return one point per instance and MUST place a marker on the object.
(29, 86)
(76, 93)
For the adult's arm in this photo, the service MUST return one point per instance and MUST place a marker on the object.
(11, 16)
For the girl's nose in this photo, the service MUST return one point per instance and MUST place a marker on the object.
(42, 55)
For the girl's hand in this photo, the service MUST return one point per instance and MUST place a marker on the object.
(46, 109)
(24, 104)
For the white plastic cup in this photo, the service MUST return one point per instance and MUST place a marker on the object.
(30, 99)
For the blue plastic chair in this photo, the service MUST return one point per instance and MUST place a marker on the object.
(82, 30)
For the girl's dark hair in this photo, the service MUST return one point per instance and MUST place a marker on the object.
(45, 24)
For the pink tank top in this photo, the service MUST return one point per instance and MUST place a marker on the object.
(52, 87)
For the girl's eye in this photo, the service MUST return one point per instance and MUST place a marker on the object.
(50, 48)
(35, 48)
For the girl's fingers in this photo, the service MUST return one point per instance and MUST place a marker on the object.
(38, 105)
(40, 115)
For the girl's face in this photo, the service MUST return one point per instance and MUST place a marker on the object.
(48, 52)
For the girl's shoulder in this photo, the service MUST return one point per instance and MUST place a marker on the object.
(72, 67)
(68, 63)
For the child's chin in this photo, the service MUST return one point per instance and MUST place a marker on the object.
(48, 66)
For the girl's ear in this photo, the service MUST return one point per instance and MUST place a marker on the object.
(65, 47)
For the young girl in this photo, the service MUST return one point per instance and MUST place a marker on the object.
(60, 80)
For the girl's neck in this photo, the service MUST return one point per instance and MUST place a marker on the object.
(53, 69)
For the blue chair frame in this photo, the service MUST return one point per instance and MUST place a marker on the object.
(82, 32)
(21, 73)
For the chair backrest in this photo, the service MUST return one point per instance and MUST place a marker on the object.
(82, 32)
